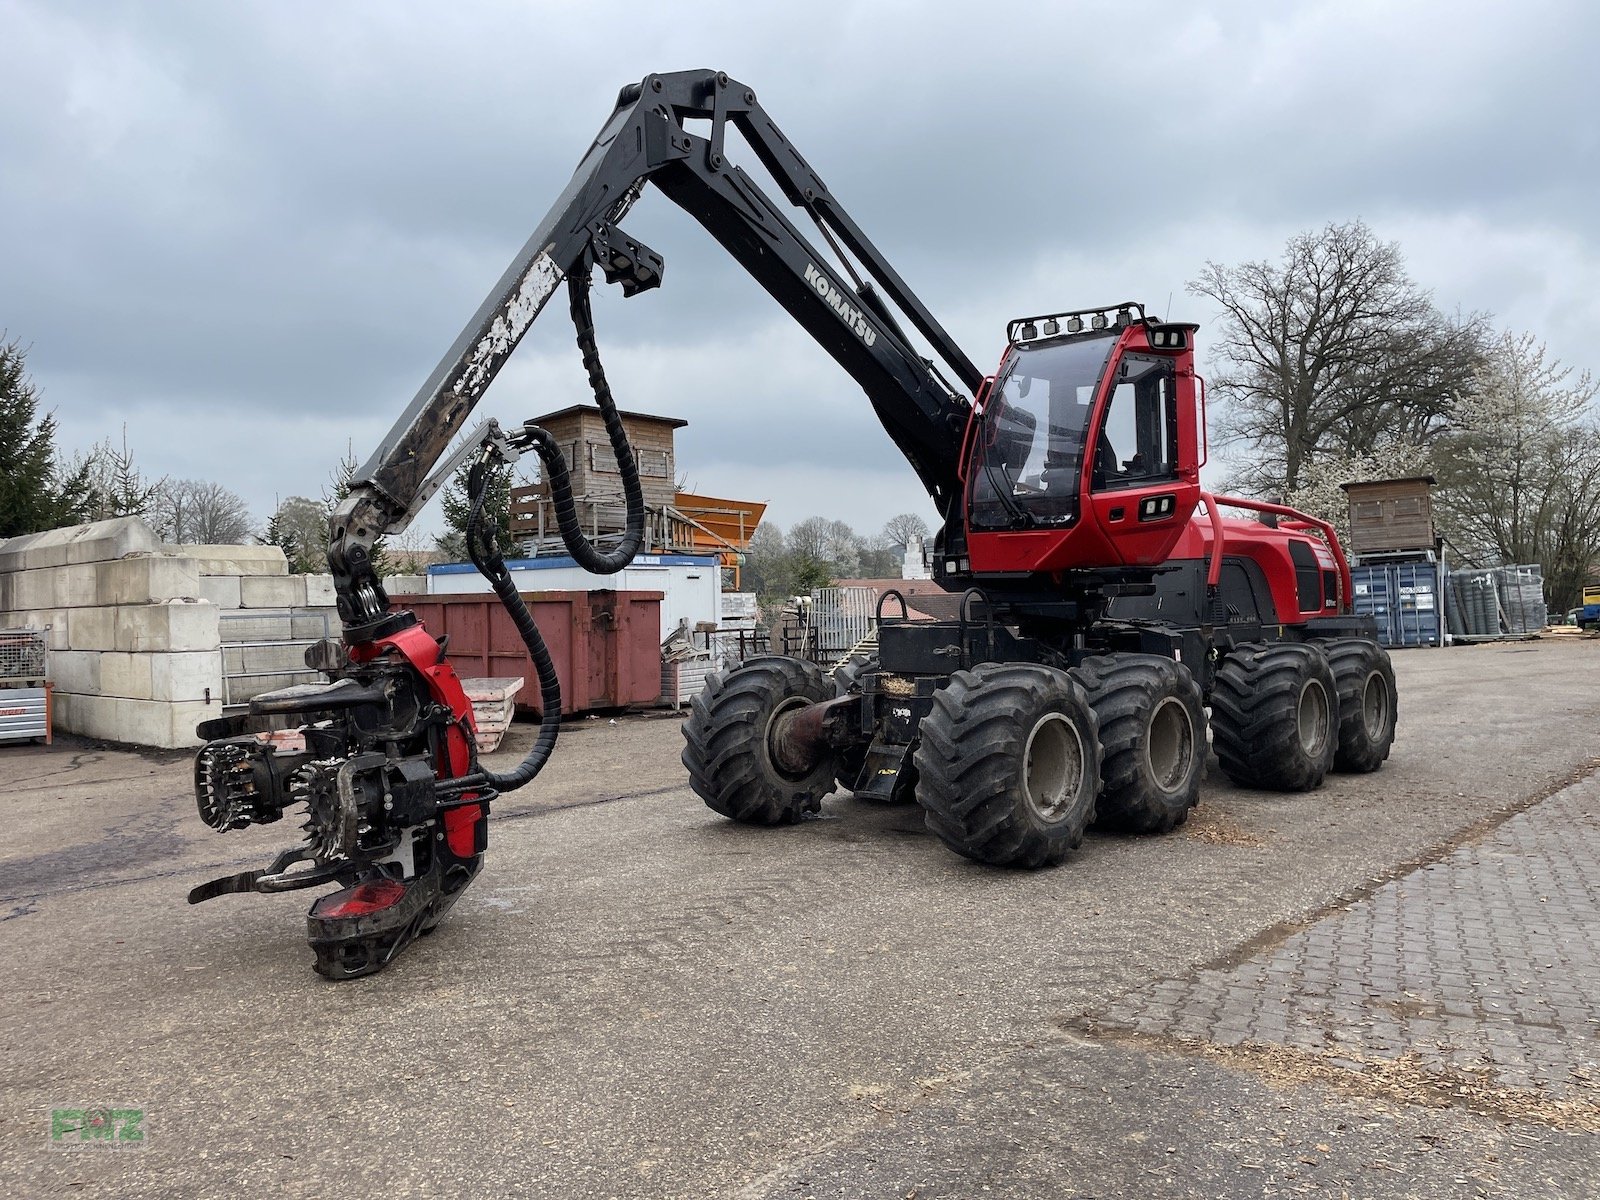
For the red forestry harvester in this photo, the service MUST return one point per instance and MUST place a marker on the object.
(1100, 614)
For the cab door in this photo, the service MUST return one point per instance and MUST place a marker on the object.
(1142, 488)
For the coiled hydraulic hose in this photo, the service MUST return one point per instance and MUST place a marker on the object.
(484, 550)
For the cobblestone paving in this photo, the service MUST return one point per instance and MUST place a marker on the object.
(1486, 962)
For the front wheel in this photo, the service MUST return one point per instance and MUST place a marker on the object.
(729, 742)
(1008, 764)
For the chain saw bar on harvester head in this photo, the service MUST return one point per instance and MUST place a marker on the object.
(396, 802)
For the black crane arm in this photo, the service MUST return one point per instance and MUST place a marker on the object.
(670, 130)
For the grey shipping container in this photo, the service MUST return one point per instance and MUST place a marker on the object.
(1403, 599)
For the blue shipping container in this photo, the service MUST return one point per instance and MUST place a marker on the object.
(1403, 599)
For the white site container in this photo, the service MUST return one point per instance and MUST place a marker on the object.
(690, 585)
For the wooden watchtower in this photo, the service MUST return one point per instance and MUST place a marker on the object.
(1391, 516)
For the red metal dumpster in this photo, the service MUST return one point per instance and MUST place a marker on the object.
(606, 644)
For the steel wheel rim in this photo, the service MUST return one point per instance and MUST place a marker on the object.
(1169, 744)
(1375, 705)
(1053, 766)
(1313, 718)
(788, 704)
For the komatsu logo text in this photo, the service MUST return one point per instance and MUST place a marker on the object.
(848, 313)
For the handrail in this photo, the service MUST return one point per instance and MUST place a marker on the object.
(1214, 568)
(1307, 521)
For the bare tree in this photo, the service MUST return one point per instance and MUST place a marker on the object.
(1520, 475)
(190, 511)
(898, 530)
(832, 545)
(301, 529)
(1334, 350)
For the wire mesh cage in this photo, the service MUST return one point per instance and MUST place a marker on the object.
(22, 653)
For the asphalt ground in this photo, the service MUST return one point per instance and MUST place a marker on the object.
(637, 998)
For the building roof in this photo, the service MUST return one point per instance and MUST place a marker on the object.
(925, 599)
(572, 409)
(1359, 483)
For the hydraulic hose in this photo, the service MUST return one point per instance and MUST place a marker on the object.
(587, 555)
(484, 549)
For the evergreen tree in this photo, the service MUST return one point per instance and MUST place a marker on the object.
(452, 543)
(36, 492)
(117, 488)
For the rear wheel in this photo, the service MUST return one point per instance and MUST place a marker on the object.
(1152, 739)
(1009, 764)
(1274, 716)
(1368, 702)
(729, 741)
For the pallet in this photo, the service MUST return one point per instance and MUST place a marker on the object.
(494, 704)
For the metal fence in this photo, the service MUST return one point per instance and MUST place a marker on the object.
(1495, 602)
(265, 650)
(22, 653)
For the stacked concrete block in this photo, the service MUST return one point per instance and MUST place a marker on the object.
(134, 648)
(149, 639)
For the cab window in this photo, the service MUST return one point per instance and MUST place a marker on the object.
(1138, 441)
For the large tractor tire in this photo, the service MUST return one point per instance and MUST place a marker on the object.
(728, 740)
(1368, 702)
(847, 679)
(1152, 740)
(1275, 716)
(1008, 764)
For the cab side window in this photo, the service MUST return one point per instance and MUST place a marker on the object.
(1138, 442)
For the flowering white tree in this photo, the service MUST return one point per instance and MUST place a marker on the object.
(1321, 491)
(1520, 471)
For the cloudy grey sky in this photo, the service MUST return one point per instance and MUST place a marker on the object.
(250, 230)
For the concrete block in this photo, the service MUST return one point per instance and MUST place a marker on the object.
(144, 580)
(319, 591)
(234, 560)
(101, 541)
(75, 670)
(92, 629)
(221, 590)
(315, 623)
(28, 589)
(176, 626)
(136, 722)
(269, 591)
(57, 622)
(126, 675)
(195, 675)
(406, 585)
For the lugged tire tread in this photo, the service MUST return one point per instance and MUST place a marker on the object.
(1348, 657)
(1123, 689)
(1254, 716)
(970, 744)
(725, 744)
